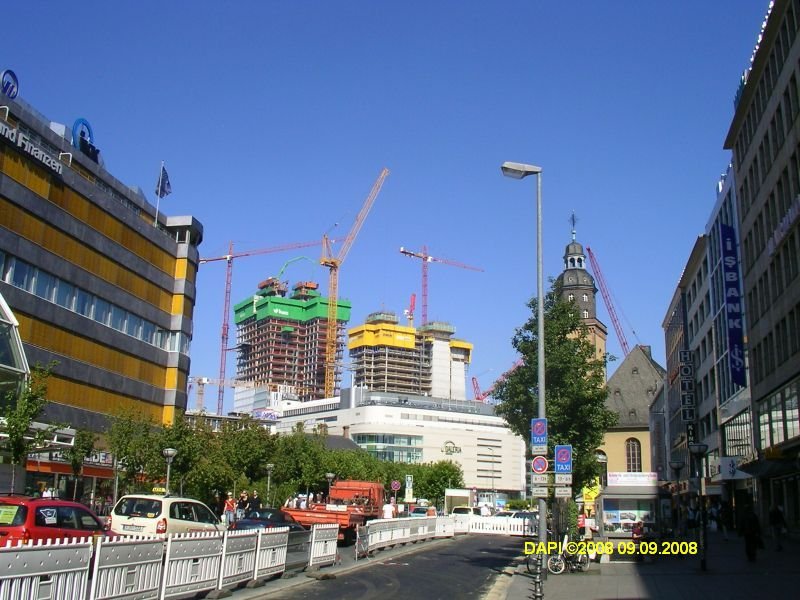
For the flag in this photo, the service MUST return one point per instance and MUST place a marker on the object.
(163, 187)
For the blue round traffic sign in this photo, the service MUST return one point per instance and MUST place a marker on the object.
(539, 464)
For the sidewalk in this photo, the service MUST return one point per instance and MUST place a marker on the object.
(774, 575)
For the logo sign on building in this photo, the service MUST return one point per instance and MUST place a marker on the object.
(623, 478)
(450, 448)
(539, 464)
(727, 467)
(686, 372)
(9, 84)
(538, 436)
(563, 460)
(733, 303)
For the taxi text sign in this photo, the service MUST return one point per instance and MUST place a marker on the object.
(538, 436)
(563, 459)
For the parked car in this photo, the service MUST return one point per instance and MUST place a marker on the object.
(466, 510)
(266, 518)
(28, 519)
(152, 514)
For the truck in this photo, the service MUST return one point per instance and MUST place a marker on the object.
(350, 503)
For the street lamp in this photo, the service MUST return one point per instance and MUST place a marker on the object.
(698, 451)
(169, 456)
(519, 171)
(270, 466)
(330, 477)
(677, 467)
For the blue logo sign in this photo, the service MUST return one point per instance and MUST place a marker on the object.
(81, 130)
(733, 303)
(9, 84)
(563, 462)
(538, 432)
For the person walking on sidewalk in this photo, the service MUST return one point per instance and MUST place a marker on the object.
(750, 529)
(777, 524)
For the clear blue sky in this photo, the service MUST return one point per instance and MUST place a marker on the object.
(275, 118)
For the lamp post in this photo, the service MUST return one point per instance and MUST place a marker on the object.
(330, 477)
(270, 466)
(698, 451)
(169, 456)
(519, 171)
(676, 466)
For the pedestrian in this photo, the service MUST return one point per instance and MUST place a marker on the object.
(255, 503)
(230, 509)
(485, 510)
(725, 519)
(389, 510)
(777, 523)
(750, 529)
(241, 506)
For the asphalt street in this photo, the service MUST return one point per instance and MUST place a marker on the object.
(465, 567)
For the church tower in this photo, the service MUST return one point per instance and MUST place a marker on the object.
(577, 285)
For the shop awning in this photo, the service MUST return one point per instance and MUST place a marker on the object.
(630, 491)
(738, 475)
(770, 468)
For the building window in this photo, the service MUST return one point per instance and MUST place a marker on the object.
(633, 455)
(586, 297)
(585, 314)
(571, 297)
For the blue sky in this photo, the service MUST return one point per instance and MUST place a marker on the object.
(275, 118)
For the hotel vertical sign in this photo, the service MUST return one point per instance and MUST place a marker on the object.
(688, 402)
(733, 303)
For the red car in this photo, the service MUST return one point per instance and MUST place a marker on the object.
(27, 519)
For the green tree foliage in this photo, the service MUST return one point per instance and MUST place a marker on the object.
(133, 440)
(19, 411)
(431, 480)
(574, 384)
(82, 447)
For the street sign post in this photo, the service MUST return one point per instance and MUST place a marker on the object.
(539, 492)
(563, 492)
(539, 464)
(564, 478)
(395, 485)
(563, 459)
(539, 478)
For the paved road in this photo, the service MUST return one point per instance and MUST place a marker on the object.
(465, 567)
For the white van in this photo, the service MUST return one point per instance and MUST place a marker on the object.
(151, 514)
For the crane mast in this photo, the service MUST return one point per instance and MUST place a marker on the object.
(601, 281)
(333, 263)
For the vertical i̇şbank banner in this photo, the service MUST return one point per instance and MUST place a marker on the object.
(733, 303)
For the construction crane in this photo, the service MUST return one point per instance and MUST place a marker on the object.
(601, 281)
(333, 263)
(228, 258)
(409, 312)
(427, 258)
(476, 389)
(202, 382)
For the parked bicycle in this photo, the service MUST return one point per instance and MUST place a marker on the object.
(558, 563)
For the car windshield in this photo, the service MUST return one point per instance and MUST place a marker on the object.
(462, 510)
(12, 515)
(149, 508)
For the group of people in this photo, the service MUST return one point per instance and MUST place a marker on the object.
(235, 510)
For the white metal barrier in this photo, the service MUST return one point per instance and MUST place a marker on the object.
(271, 552)
(323, 545)
(381, 533)
(55, 570)
(192, 564)
(499, 525)
(238, 558)
(445, 527)
(127, 568)
(461, 523)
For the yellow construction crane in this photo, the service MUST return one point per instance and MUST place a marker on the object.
(333, 263)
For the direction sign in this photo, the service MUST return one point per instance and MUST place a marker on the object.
(395, 485)
(563, 492)
(539, 492)
(564, 478)
(538, 436)
(563, 461)
(539, 464)
(539, 478)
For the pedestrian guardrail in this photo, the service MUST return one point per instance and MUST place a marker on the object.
(323, 545)
(127, 568)
(56, 569)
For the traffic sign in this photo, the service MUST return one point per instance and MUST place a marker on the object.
(563, 461)
(563, 492)
(564, 478)
(539, 478)
(539, 492)
(395, 485)
(538, 436)
(539, 464)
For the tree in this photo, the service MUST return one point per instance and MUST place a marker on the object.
(19, 413)
(134, 442)
(575, 385)
(82, 447)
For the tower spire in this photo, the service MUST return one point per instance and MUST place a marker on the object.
(573, 219)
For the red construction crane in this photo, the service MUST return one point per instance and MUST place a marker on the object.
(409, 312)
(227, 304)
(333, 263)
(481, 396)
(601, 282)
(427, 258)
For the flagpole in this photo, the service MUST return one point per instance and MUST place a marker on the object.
(158, 193)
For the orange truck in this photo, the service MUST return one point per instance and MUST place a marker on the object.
(350, 504)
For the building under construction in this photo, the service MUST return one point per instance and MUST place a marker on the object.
(281, 338)
(390, 357)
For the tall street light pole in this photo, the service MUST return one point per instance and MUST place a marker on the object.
(698, 451)
(519, 171)
(169, 456)
(270, 466)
